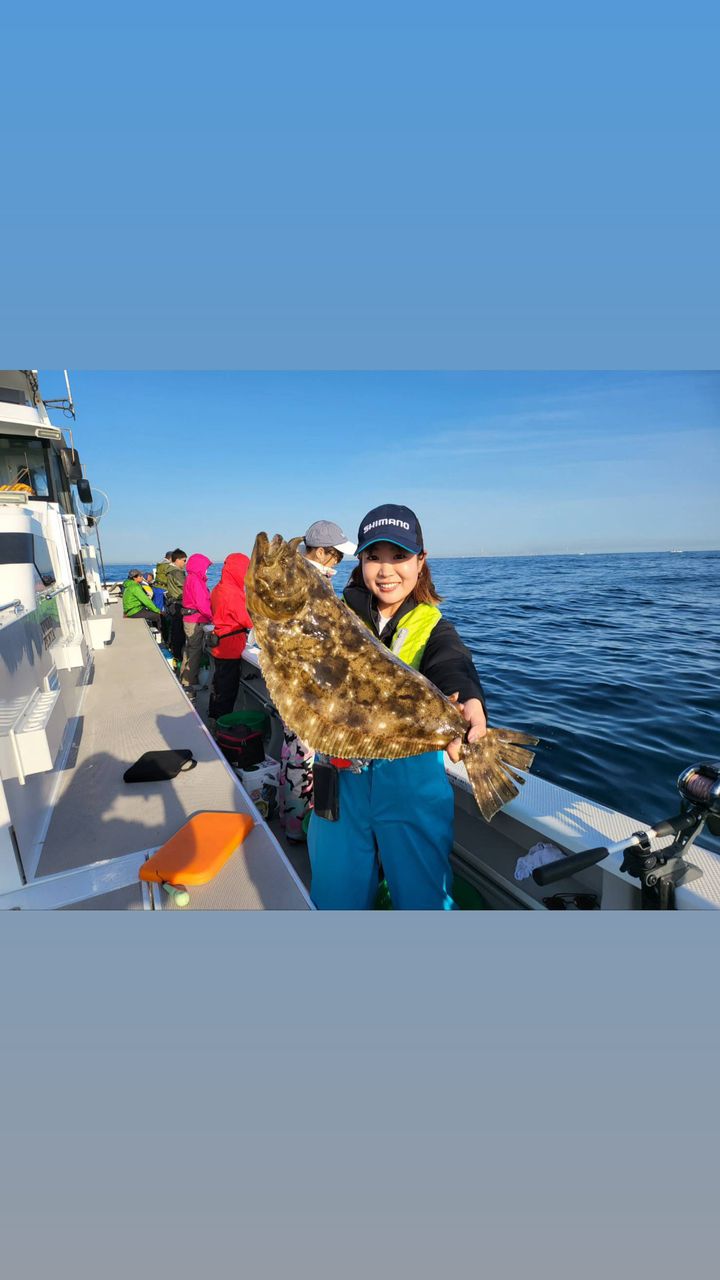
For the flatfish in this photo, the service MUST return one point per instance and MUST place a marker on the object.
(343, 693)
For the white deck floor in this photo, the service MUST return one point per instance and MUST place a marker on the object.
(135, 704)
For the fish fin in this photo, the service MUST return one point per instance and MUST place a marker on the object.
(351, 744)
(520, 757)
(488, 765)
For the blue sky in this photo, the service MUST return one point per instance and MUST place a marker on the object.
(493, 463)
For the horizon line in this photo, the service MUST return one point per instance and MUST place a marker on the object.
(507, 555)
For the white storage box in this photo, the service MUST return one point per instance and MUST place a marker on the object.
(69, 652)
(98, 630)
(30, 743)
(258, 776)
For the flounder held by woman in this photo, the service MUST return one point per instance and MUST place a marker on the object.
(347, 695)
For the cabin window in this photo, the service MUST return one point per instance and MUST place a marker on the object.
(42, 561)
(58, 481)
(11, 395)
(28, 548)
(22, 461)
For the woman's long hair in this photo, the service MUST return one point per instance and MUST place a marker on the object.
(424, 592)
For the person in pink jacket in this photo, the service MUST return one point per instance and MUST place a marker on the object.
(197, 614)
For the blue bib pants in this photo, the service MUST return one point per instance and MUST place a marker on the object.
(399, 813)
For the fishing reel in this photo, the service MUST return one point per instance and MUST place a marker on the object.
(661, 871)
(700, 788)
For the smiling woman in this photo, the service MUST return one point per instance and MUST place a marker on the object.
(391, 574)
(395, 817)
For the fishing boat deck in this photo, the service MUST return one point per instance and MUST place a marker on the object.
(135, 704)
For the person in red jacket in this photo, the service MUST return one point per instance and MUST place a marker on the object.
(232, 622)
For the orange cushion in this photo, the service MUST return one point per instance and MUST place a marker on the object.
(198, 850)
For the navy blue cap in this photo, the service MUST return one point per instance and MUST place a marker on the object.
(391, 524)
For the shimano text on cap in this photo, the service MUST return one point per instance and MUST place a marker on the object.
(391, 523)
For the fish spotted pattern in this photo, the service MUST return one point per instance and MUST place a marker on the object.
(340, 690)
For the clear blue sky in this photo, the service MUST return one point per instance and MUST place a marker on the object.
(493, 463)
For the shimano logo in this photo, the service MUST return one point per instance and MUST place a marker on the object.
(374, 524)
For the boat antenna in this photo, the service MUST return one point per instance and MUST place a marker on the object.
(67, 404)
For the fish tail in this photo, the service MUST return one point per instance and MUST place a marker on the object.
(488, 765)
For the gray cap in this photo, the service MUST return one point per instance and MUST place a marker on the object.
(325, 533)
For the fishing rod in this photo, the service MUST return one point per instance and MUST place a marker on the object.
(660, 872)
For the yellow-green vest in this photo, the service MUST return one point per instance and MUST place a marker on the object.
(413, 633)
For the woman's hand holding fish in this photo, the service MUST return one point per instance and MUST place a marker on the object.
(474, 713)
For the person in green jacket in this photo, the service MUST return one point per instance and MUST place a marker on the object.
(136, 602)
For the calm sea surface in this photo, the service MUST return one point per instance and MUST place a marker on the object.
(612, 661)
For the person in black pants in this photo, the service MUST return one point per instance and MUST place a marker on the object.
(175, 578)
(232, 623)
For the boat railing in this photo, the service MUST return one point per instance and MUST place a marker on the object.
(18, 607)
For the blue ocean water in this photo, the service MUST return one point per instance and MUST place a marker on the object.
(613, 661)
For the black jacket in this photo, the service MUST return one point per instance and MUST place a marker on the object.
(445, 661)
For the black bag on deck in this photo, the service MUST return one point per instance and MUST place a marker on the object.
(240, 745)
(160, 766)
